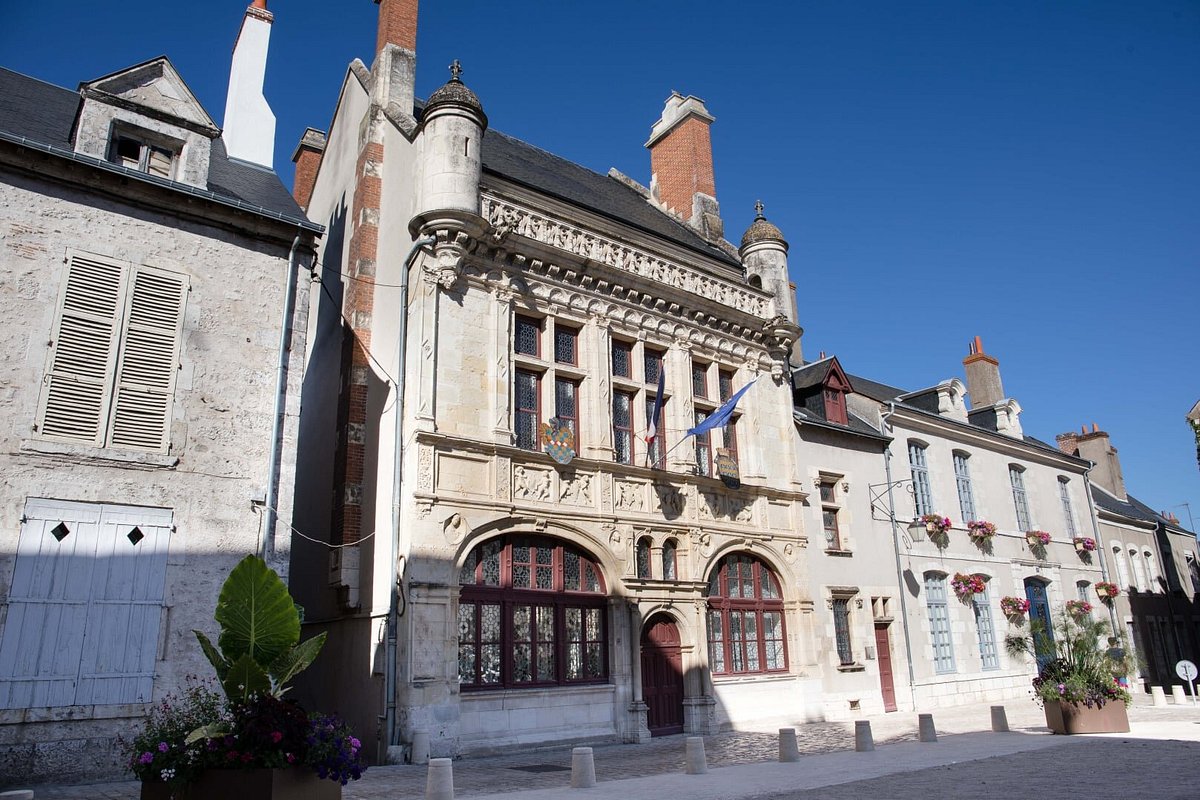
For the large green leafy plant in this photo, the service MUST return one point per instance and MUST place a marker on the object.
(258, 650)
(1075, 667)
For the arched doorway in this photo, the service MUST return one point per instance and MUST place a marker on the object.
(1039, 612)
(662, 676)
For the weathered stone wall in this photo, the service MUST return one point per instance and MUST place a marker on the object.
(220, 430)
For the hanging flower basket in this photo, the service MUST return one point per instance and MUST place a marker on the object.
(1106, 591)
(1037, 539)
(967, 586)
(1084, 544)
(1079, 608)
(936, 524)
(1014, 606)
(981, 530)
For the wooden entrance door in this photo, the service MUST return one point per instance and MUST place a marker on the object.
(662, 676)
(883, 650)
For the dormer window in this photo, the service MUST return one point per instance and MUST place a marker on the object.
(143, 151)
(835, 404)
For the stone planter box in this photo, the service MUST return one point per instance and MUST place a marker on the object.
(248, 784)
(1070, 718)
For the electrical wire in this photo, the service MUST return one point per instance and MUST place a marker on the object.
(258, 510)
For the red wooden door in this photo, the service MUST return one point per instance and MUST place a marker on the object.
(662, 676)
(884, 650)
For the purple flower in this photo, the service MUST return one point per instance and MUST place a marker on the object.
(146, 758)
(355, 743)
(163, 747)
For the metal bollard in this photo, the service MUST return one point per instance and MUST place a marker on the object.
(439, 779)
(694, 755)
(864, 742)
(789, 750)
(583, 768)
(999, 720)
(1156, 692)
(927, 733)
(1177, 694)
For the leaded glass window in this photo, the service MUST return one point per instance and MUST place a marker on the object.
(668, 560)
(745, 619)
(623, 427)
(527, 413)
(527, 336)
(841, 629)
(566, 405)
(566, 344)
(643, 558)
(622, 358)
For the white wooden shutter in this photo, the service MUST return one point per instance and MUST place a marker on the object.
(149, 359)
(84, 346)
(85, 605)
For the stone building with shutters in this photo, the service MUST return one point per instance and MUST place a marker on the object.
(155, 302)
(473, 287)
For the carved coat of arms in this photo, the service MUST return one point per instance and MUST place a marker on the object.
(559, 440)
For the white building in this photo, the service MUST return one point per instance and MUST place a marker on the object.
(154, 336)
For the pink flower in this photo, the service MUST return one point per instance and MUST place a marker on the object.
(291, 758)
(276, 736)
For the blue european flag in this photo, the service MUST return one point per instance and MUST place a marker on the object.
(720, 417)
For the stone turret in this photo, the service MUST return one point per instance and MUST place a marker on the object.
(452, 132)
(764, 254)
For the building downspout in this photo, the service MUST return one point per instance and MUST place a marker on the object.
(395, 610)
(266, 543)
(887, 466)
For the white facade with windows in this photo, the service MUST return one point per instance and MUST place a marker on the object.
(141, 358)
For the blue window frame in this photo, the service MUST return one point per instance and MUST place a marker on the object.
(986, 630)
(922, 495)
(939, 622)
(962, 479)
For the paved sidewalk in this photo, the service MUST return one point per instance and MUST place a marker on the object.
(743, 764)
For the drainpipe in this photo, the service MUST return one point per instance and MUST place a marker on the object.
(394, 608)
(266, 544)
(887, 466)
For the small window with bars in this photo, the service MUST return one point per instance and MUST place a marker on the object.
(841, 630)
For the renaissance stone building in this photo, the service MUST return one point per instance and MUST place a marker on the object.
(475, 286)
(151, 365)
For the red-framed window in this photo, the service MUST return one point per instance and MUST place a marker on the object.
(527, 410)
(622, 359)
(527, 336)
(746, 631)
(724, 384)
(703, 446)
(829, 515)
(623, 427)
(658, 447)
(566, 344)
(652, 364)
(531, 612)
(835, 406)
(643, 558)
(699, 379)
(729, 437)
(566, 405)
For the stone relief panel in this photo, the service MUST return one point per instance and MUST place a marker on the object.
(509, 217)
(670, 500)
(717, 506)
(630, 495)
(779, 516)
(503, 487)
(463, 475)
(576, 489)
(531, 484)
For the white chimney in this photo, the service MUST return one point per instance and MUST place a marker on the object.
(249, 131)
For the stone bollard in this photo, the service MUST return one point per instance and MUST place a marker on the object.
(863, 741)
(999, 720)
(583, 768)
(420, 748)
(1156, 692)
(926, 731)
(439, 779)
(1178, 695)
(694, 753)
(789, 750)
(17, 794)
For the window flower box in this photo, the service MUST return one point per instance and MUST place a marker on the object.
(1014, 606)
(936, 524)
(967, 586)
(1084, 544)
(1079, 608)
(1037, 539)
(981, 530)
(1106, 591)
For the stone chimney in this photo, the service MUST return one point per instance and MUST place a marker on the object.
(1094, 445)
(1069, 442)
(249, 130)
(681, 165)
(395, 68)
(307, 158)
(983, 376)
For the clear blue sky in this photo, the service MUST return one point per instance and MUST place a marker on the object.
(1025, 171)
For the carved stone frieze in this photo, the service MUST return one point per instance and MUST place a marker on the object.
(630, 496)
(576, 489)
(531, 484)
(718, 505)
(509, 217)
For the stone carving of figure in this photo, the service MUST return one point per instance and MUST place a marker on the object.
(629, 496)
(531, 484)
(577, 489)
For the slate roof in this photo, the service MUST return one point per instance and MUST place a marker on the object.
(525, 164)
(44, 114)
(1127, 508)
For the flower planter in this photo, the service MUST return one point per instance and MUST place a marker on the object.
(248, 784)
(1069, 718)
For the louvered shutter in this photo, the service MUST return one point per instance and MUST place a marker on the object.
(78, 382)
(148, 361)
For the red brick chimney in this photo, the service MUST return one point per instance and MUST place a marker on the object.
(1068, 442)
(307, 158)
(983, 376)
(681, 164)
(397, 24)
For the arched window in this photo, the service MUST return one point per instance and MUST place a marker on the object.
(1016, 477)
(756, 281)
(669, 572)
(1139, 570)
(985, 628)
(643, 558)
(530, 613)
(1156, 583)
(939, 622)
(1121, 567)
(1081, 591)
(922, 493)
(745, 618)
